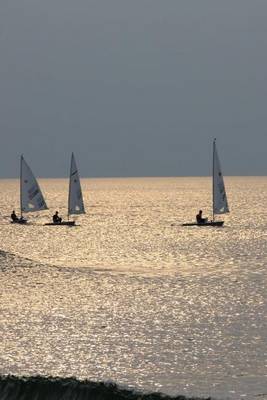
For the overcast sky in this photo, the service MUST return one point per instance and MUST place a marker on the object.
(133, 87)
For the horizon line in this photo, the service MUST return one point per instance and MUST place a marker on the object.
(140, 177)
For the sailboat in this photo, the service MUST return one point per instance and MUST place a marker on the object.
(75, 199)
(31, 198)
(219, 198)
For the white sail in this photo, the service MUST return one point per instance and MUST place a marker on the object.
(76, 205)
(31, 197)
(220, 204)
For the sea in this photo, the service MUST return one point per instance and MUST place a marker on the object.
(129, 303)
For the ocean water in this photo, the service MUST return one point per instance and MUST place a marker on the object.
(130, 296)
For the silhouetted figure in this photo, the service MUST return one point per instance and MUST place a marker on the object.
(14, 216)
(56, 218)
(200, 219)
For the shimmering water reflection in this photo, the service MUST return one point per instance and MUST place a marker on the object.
(131, 296)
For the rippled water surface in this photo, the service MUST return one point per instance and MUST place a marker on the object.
(130, 295)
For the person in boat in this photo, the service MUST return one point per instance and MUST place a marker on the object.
(56, 218)
(14, 216)
(200, 219)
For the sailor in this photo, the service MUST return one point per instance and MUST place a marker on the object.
(14, 216)
(200, 219)
(56, 218)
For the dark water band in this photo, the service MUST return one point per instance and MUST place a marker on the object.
(48, 388)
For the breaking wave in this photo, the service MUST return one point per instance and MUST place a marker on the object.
(48, 388)
(9, 260)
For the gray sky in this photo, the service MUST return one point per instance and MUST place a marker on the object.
(134, 88)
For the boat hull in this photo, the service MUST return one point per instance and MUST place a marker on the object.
(208, 223)
(19, 221)
(63, 223)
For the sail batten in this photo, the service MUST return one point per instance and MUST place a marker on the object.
(220, 203)
(75, 203)
(31, 197)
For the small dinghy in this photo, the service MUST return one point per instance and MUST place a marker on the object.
(31, 197)
(75, 199)
(19, 221)
(62, 223)
(219, 199)
(208, 223)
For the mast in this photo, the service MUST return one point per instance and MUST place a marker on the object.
(69, 186)
(21, 158)
(213, 186)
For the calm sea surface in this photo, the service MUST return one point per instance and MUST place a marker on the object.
(130, 295)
